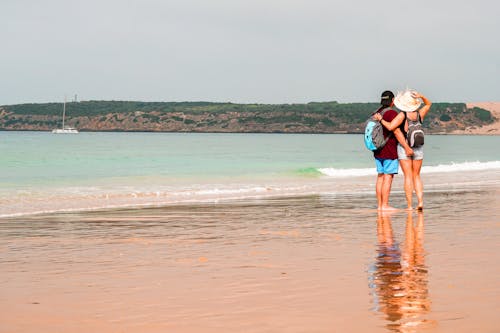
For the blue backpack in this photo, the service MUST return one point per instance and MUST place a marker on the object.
(374, 133)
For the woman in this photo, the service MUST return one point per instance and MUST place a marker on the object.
(409, 102)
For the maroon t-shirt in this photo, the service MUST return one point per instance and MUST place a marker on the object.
(389, 151)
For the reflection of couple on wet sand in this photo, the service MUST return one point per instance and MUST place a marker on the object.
(398, 278)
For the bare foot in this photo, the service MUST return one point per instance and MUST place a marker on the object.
(389, 208)
(409, 208)
(420, 208)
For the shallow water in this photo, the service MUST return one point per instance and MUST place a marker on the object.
(41, 172)
(318, 263)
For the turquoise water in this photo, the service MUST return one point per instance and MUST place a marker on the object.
(40, 165)
(44, 158)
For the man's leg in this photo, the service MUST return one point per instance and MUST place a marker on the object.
(378, 189)
(386, 191)
(390, 169)
(380, 181)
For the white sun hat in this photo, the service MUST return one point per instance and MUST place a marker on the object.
(406, 102)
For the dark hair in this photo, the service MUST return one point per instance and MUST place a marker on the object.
(386, 98)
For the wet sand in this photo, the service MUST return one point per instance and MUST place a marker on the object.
(326, 263)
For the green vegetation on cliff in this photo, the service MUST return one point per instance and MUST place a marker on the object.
(320, 117)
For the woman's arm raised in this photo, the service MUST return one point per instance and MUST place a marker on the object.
(423, 111)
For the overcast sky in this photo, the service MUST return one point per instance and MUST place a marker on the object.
(264, 51)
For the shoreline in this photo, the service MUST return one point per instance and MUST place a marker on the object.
(492, 130)
(361, 186)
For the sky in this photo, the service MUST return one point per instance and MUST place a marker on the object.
(258, 51)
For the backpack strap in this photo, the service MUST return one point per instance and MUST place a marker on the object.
(391, 133)
(404, 124)
(380, 110)
(419, 119)
(384, 110)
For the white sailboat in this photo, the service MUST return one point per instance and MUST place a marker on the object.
(65, 129)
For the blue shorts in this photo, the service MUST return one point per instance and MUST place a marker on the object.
(387, 166)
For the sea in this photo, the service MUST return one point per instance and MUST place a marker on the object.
(190, 233)
(41, 172)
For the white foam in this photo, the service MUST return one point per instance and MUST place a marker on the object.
(336, 181)
(465, 166)
(70, 199)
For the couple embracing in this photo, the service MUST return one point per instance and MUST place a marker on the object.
(404, 145)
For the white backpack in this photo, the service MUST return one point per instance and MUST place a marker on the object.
(415, 133)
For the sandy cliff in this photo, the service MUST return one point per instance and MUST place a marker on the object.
(491, 129)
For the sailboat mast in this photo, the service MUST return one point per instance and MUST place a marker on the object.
(64, 111)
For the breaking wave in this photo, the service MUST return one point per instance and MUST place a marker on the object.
(453, 167)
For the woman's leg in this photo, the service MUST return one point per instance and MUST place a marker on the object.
(407, 167)
(417, 181)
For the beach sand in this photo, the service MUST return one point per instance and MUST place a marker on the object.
(326, 263)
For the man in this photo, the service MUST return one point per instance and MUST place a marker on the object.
(386, 158)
